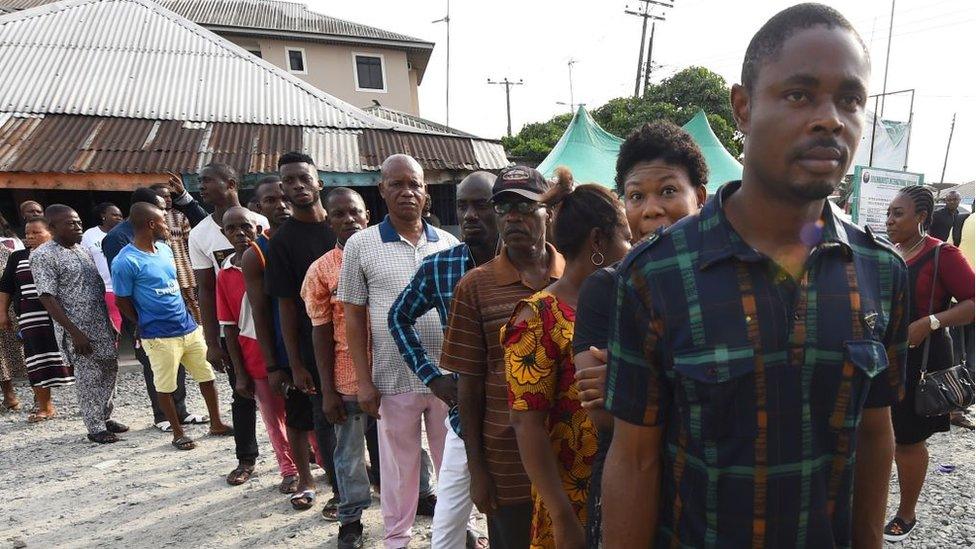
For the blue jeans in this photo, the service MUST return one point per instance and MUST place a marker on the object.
(350, 464)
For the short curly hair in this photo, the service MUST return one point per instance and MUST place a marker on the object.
(661, 141)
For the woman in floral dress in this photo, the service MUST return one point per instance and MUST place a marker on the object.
(557, 441)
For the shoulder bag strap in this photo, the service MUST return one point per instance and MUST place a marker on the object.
(935, 280)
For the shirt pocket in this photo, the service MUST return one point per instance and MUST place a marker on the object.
(717, 387)
(864, 360)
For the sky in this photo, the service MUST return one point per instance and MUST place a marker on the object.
(533, 40)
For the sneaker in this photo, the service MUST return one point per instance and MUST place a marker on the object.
(351, 535)
(425, 506)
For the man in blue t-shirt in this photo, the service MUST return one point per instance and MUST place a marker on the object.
(148, 294)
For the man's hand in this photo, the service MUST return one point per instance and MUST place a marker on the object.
(176, 185)
(592, 382)
(445, 388)
(279, 382)
(81, 343)
(918, 331)
(568, 531)
(333, 407)
(217, 357)
(369, 398)
(244, 386)
(482, 489)
(302, 380)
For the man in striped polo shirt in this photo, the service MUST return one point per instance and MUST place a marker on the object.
(483, 303)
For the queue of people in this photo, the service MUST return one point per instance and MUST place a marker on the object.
(591, 368)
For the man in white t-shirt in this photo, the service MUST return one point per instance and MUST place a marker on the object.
(108, 215)
(208, 250)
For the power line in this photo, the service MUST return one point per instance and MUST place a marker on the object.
(508, 100)
(646, 14)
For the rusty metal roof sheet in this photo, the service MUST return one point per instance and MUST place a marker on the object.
(135, 59)
(92, 144)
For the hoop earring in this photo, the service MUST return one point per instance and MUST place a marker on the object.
(921, 231)
(595, 261)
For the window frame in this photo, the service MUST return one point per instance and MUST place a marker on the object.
(355, 71)
(288, 51)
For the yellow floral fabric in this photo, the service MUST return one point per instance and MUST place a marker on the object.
(541, 376)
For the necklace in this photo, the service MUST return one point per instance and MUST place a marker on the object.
(909, 251)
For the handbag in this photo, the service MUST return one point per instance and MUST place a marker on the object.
(943, 391)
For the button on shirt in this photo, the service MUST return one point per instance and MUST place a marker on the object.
(377, 265)
(759, 379)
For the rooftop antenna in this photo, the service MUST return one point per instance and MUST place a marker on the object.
(447, 77)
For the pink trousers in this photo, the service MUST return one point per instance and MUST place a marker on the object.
(113, 311)
(399, 434)
(272, 409)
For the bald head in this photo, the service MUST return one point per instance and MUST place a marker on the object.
(236, 215)
(30, 209)
(952, 199)
(396, 162)
(476, 183)
(474, 210)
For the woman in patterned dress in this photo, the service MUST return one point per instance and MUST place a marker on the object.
(11, 354)
(557, 440)
(45, 366)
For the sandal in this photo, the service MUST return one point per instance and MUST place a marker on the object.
(476, 540)
(184, 443)
(195, 419)
(289, 484)
(116, 427)
(897, 529)
(331, 510)
(960, 420)
(240, 475)
(37, 417)
(303, 500)
(103, 437)
(225, 432)
(164, 426)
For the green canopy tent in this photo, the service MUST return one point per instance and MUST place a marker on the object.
(591, 152)
(722, 166)
(586, 149)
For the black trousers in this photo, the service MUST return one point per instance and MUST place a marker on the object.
(510, 526)
(244, 414)
(179, 396)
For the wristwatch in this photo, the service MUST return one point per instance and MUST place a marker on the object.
(934, 323)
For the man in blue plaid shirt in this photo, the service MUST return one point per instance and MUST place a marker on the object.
(432, 287)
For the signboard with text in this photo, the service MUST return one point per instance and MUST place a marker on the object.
(873, 189)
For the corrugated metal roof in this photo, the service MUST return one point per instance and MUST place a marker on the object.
(410, 122)
(93, 144)
(258, 14)
(490, 155)
(135, 59)
(333, 150)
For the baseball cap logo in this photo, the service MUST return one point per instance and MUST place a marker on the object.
(515, 174)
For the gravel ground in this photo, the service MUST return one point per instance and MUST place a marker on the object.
(59, 490)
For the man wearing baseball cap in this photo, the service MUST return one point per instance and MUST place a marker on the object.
(483, 301)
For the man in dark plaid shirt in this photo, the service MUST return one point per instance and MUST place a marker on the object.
(756, 345)
(432, 287)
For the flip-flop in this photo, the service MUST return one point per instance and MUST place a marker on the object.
(240, 475)
(37, 417)
(195, 419)
(476, 540)
(11, 407)
(227, 432)
(164, 426)
(288, 484)
(331, 510)
(184, 443)
(897, 529)
(301, 501)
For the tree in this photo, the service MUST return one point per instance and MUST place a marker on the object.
(676, 99)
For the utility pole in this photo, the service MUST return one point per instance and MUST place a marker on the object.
(572, 102)
(508, 99)
(946, 161)
(640, 57)
(645, 15)
(650, 57)
(447, 76)
(884, 84)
